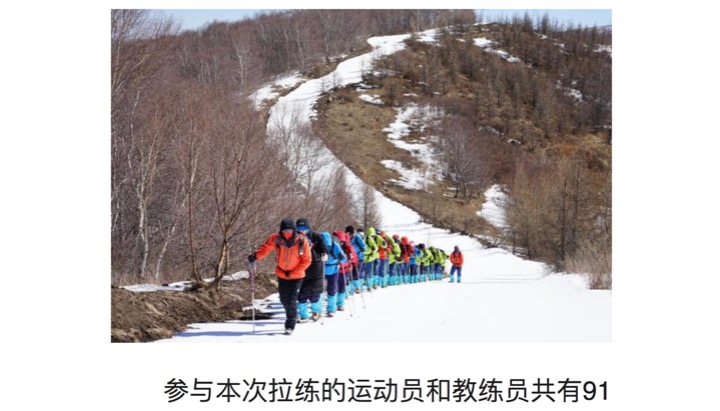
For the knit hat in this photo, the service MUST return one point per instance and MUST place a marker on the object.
(287, 224)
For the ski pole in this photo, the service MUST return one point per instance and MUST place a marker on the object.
(361, 277)
(349, 281)
(252, 292)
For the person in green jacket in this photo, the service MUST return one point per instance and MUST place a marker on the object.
(425, 262)
(441, 256)
(373, 244)
(394, 260)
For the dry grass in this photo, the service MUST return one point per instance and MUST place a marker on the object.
(353, 132)
(596, 262)
(149, 316)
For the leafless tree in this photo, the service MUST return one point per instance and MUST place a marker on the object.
(462, 151)
(138, 48)
(370, 214)
(302, 152)
(240, 181)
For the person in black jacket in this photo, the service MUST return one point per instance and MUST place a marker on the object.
(312, 285)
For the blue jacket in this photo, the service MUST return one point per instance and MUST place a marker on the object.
(415, 254)
(335, 254)
(359, 244)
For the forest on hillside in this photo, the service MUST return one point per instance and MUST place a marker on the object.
(195, 183)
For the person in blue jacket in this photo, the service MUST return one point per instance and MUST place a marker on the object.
(359, 245)
(312, 285)
(414, 258)
(336, 256)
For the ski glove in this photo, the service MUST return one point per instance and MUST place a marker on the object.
(252, 258)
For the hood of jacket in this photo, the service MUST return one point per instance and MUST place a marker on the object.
(287, 224)
(342, 236)
(371, 231)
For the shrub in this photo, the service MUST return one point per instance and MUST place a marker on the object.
(596, 263)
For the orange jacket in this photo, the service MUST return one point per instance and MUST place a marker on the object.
(456, 258)
(292, 257)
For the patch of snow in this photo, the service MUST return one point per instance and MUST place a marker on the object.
(374, 99)
(487, 45)
(603, 48)
(483, 42)
(576, 94)
(429, 37)
(410, 178)
(415, 118)
(493, 210)
(181, 285)
(270, 91)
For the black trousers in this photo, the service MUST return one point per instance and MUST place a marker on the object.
(288, 290)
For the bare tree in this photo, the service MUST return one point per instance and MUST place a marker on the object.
(240, 184)
(139, 42)
(302, 152)
(370, 216)
(462, 152)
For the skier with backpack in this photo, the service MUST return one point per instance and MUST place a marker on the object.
(292, 259)
(414, 263)
(346, 268)
(312, 284)
(377, 250)
(370, 259)
(393, 258)
(358, 244)
(336, 256)
(456, 258)
(404, 264)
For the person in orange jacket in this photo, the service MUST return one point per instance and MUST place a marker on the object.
(292, 257)
(456, 258)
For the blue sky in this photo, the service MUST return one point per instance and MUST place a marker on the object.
(193, 19)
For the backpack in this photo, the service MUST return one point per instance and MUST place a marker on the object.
(406, 251)
(350, 252)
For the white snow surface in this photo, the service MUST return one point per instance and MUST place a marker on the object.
(410, 178)
(414, 118)
(493, 209)
(373, 99)
(487, 44)
(269, 91)
(502, 298)
(605, 48)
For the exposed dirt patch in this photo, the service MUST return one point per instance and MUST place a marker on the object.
(150, 316)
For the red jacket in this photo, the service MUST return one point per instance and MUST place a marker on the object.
(456, 258)
(292, 257)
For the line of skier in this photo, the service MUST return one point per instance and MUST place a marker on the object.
(345, 262)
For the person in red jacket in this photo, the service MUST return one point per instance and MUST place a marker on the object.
(456, 258)
(292, 257)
